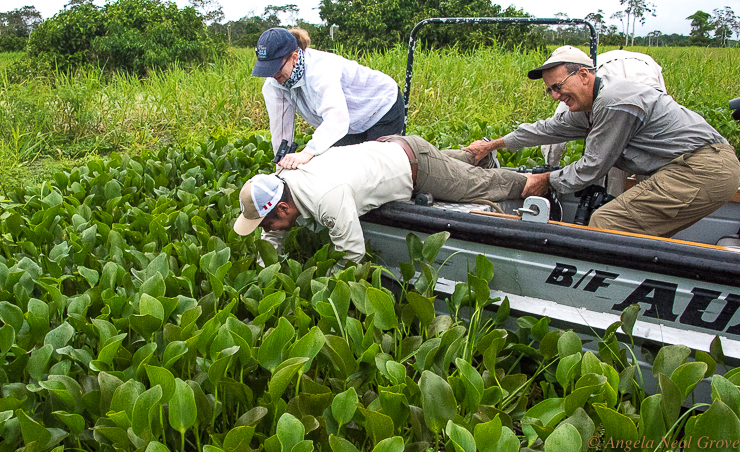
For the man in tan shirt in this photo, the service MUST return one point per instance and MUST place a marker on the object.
(348, 181)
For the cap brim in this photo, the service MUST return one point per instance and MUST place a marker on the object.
(266, 68)
(536, 74)
(243, 226)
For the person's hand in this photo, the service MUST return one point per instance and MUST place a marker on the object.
(291, 161)
(537, 184)
(482, 148)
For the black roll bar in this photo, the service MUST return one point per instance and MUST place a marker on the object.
(480, 20)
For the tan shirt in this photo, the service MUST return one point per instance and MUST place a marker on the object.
(345, 182)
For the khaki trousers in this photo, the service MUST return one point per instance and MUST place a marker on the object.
(454, 178)
(676, 196)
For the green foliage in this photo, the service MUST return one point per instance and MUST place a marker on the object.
(382, 24)
(134, 36)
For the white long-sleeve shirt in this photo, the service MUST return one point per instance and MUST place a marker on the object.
(345, 183)
(335, 95)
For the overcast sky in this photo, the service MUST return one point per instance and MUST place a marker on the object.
(671, 14)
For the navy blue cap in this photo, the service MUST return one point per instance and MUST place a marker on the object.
(272, 46)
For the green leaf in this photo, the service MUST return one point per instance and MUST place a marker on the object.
(270, 353)
(39, 361)
(89, 274)
(238, 439)
(267, 252)
(473, 384)
(32, 430)
(162, 377)
(617, 427)
(565, 437)
(569, 344)
(344, 405)
(385, 314)
(487, 434)
(283, 376)
(378, 425)
(584, 424)
(11, 315)
(290, 431)
(156, 446)
(669, 358)
(423, 307)
(687, 376)
(218, 369)
(672, 399)
(174, 351)
(433, 244)
(567, 368)
(724, 390)
(718, 423)
(437, 401)
(271, 302)
(414, 245)
(74, 422)
(339, 444)
(308, 346)
(461, 438)
(629, 317)
(705, 357)
(340, 355)
(183, 410)
(651, 424)
(149, 305)
(483, 268)
(145, 409)
(59, 336)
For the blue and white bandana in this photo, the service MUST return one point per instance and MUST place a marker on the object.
(298, 69)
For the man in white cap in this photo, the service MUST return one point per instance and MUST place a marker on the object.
(693, 170)
(346, 183)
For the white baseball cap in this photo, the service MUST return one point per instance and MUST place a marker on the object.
(258, 197)
(564, 54)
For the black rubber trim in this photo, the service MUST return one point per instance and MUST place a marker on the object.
(657, 256)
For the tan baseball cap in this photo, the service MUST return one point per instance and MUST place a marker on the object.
(564, 54)
(258, 197)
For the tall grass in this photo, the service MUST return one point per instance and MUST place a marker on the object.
(455, 97)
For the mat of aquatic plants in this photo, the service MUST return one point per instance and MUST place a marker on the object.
(133, 318)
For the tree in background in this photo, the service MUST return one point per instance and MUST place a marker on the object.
(127, 35)
(381, 24)
(636, 10)
(20, 22)
(597, 20)
(246, 31)
(211, 10)
(654, 35)
(701, 25)
(725, 23)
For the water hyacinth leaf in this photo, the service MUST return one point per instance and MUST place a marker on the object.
(385, 314)
(567, 368)
(720, 422)
(219, 367)
(7, 338)
(651, 424)
(290, 431)
(617, 427)
(271, 301)
(687, 376)
(90, 275)
(549, 412)
(109, 349)
(423, 307)
(414, 245)
(340, 298)
(238, 439)
(267, 252)
(344, 405)
(145, 409)
(508, 442)
(183, 411)
(541, 328)
(32, 430)
(503, 312)
(473, 384)
(11, 315)
(339, 444)
(378, 425)
(149, 305)
(669, 358)
(174, 351)
(283, 376)
(461, 438)
(308, 346)
(59, 336)
(74, 422)
(252, 417)
(394, 444)
(584, 424)
(487, 434)
(39, 361)
(724, 390)
(340, 355)
(154, 286)
(437, 401)
(270, 353)
(628, 318)
(156, 446)
(483, 268)
(162, 377)
(396, 372)
(705, 357)
(433, 244)
(569, 344)
(672, 399)
(565, 437)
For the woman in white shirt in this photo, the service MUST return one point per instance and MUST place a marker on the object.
(346, 102)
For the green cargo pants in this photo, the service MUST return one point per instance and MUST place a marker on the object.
(450, 175)
(676, 196)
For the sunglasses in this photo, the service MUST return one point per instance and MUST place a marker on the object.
(558, 86)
